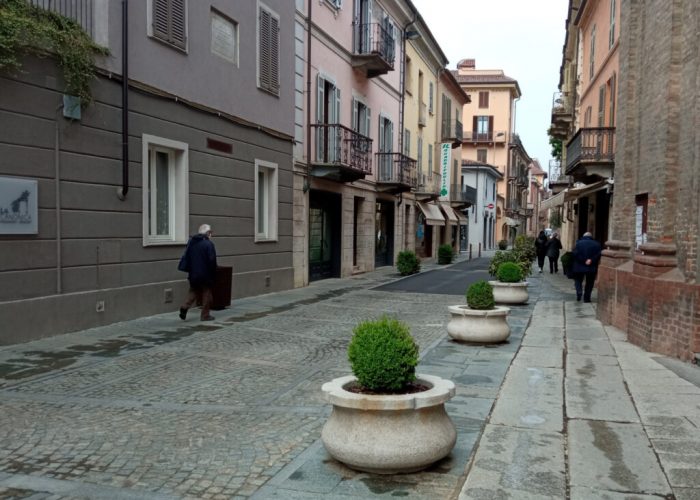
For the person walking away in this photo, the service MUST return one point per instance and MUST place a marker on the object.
(587, 252)
(541, 249)
(199, 261)
(553, 248)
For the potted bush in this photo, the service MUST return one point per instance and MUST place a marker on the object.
(502, 244)
(407, 263)
(480, 321)
(386, 418)
(567, 263)
(510, 287)
(445, 254)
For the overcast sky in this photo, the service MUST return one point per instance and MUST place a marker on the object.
(523, 38)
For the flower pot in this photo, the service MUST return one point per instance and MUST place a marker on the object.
(479, 326)
(388, 434)
(510, 293)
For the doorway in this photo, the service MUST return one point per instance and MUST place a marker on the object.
(384, 230)
(324, 235)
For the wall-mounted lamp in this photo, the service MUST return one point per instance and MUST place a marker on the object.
(411, 35)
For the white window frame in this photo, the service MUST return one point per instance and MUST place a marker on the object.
(151, 34)
(214, 14)
(269, 215)
(178, 204)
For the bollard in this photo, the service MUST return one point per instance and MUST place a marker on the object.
(479, 249)
(470, 251)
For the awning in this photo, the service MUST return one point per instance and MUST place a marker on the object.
(450, 214)
(432, 214)
(578, 192)
(552, 202)
(512, 222)
(463, 221)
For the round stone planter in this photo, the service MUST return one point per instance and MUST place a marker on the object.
(473, 325)
(510, 293)
(388, 434)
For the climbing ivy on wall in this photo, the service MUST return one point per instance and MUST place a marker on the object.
(29, 30)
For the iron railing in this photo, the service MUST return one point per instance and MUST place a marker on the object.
(397, 168)
(375, 39)
(473, 136)
(428, 183)
(463, 194)
(342, 146)
(590, 145)
(561, 104)
(80, 11)
(452, 130)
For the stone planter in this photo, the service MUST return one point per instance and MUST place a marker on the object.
(479, 326)
(510, 293)
(388, 434)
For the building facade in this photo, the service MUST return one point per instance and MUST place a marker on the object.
(178, 135)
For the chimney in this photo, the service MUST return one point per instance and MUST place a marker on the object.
(467, 64)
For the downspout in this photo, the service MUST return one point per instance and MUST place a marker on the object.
(57, 175)
(307, 181)
(125, 101)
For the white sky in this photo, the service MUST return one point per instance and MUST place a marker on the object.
(524, 38)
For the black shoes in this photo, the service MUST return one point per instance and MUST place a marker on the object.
(578, 298)
(208, 318)
(183, 313)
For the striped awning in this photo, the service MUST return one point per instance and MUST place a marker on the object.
(432, 214)
(449, 214)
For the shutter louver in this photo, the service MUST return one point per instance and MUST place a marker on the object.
(178, 23)
(160, 19)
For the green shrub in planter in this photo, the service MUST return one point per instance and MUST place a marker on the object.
(567, 259)
(509, 272)
(502, 244)
(524, 247)
(445, 254)
(407, 263)
(383, 355)
(480, 296)
(523, 261)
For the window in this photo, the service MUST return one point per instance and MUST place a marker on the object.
(361, 117)
(484, 99)
(265, 201)
(430, 97)
(601, 106)
(430, 161)
(420, 154)
(587, 117)
(169, 22)
(446, 117)
(407, 142)
(481, 155)
(408, 72)
(612, 84)
(591, 62)
(268, 51)
(165, 191)
(327, 113)
(337, 4)
(612, 24)
(385, 145)
(483, 128)
(224, 37)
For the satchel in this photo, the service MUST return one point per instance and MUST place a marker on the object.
(184, 264)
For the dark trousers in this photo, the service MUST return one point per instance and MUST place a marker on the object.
(588, 289)
(553, 264)
(202, 294)
(540, 261)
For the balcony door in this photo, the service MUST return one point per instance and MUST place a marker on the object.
(386, 143)
(363, 20)
(327, 114)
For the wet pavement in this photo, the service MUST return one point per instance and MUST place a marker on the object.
(160, 408)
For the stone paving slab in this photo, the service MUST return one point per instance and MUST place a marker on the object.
(580, 493)
(614, 456)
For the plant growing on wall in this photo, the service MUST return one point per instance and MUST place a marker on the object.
(29, 30)
(555, 219)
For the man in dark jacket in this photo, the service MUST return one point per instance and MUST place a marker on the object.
(586, 258)
(200, 262)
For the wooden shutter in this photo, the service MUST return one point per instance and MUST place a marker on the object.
(483, 99)
(161, 19)
(601, 105)
(178, 23)
(490, 128)
(268, 57)
(356, 117)
(475, 128)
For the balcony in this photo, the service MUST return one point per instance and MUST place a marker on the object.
(342, 154)
(428, 187)
(396, 173)
(423, 115)
(591, 152)
(485, 137)
(562, 115)
(80, 11)
(374, 51)
(453, 132)
(463, 195)
(526, 212)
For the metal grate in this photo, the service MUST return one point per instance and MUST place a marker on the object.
(81, 11)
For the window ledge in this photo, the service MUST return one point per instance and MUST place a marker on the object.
(265, 240)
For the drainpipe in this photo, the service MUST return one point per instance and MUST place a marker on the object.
(307, 181)
(121, 192)
(57, 175)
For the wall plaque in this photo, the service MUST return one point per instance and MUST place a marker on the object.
(19, 207)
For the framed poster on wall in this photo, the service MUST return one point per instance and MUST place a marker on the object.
(19, 207)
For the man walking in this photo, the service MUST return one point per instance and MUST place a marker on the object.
(200, 263)
(586, 258)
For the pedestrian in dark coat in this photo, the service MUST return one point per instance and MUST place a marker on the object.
(553, 248)
(587, 254)
(199, 261)
(541, 249)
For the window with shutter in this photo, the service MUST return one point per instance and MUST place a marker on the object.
(484, 99)
(170, 22)
(268, 51)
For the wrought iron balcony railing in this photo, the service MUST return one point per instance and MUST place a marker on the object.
(496, 137)
(374, 48)
(452, 131)
(590, 146)
(463, 194)
(428, 183)
(80, 11)
(341, 146)
(397, 168)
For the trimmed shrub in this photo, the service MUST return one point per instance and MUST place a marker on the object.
(383, 355)
(503, 244)
(567, 259)
(445, 254)
(509, 272)
(480, 296)
(524, 247)
(407, 263)
(522, 260)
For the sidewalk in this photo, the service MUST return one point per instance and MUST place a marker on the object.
(160, 408)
